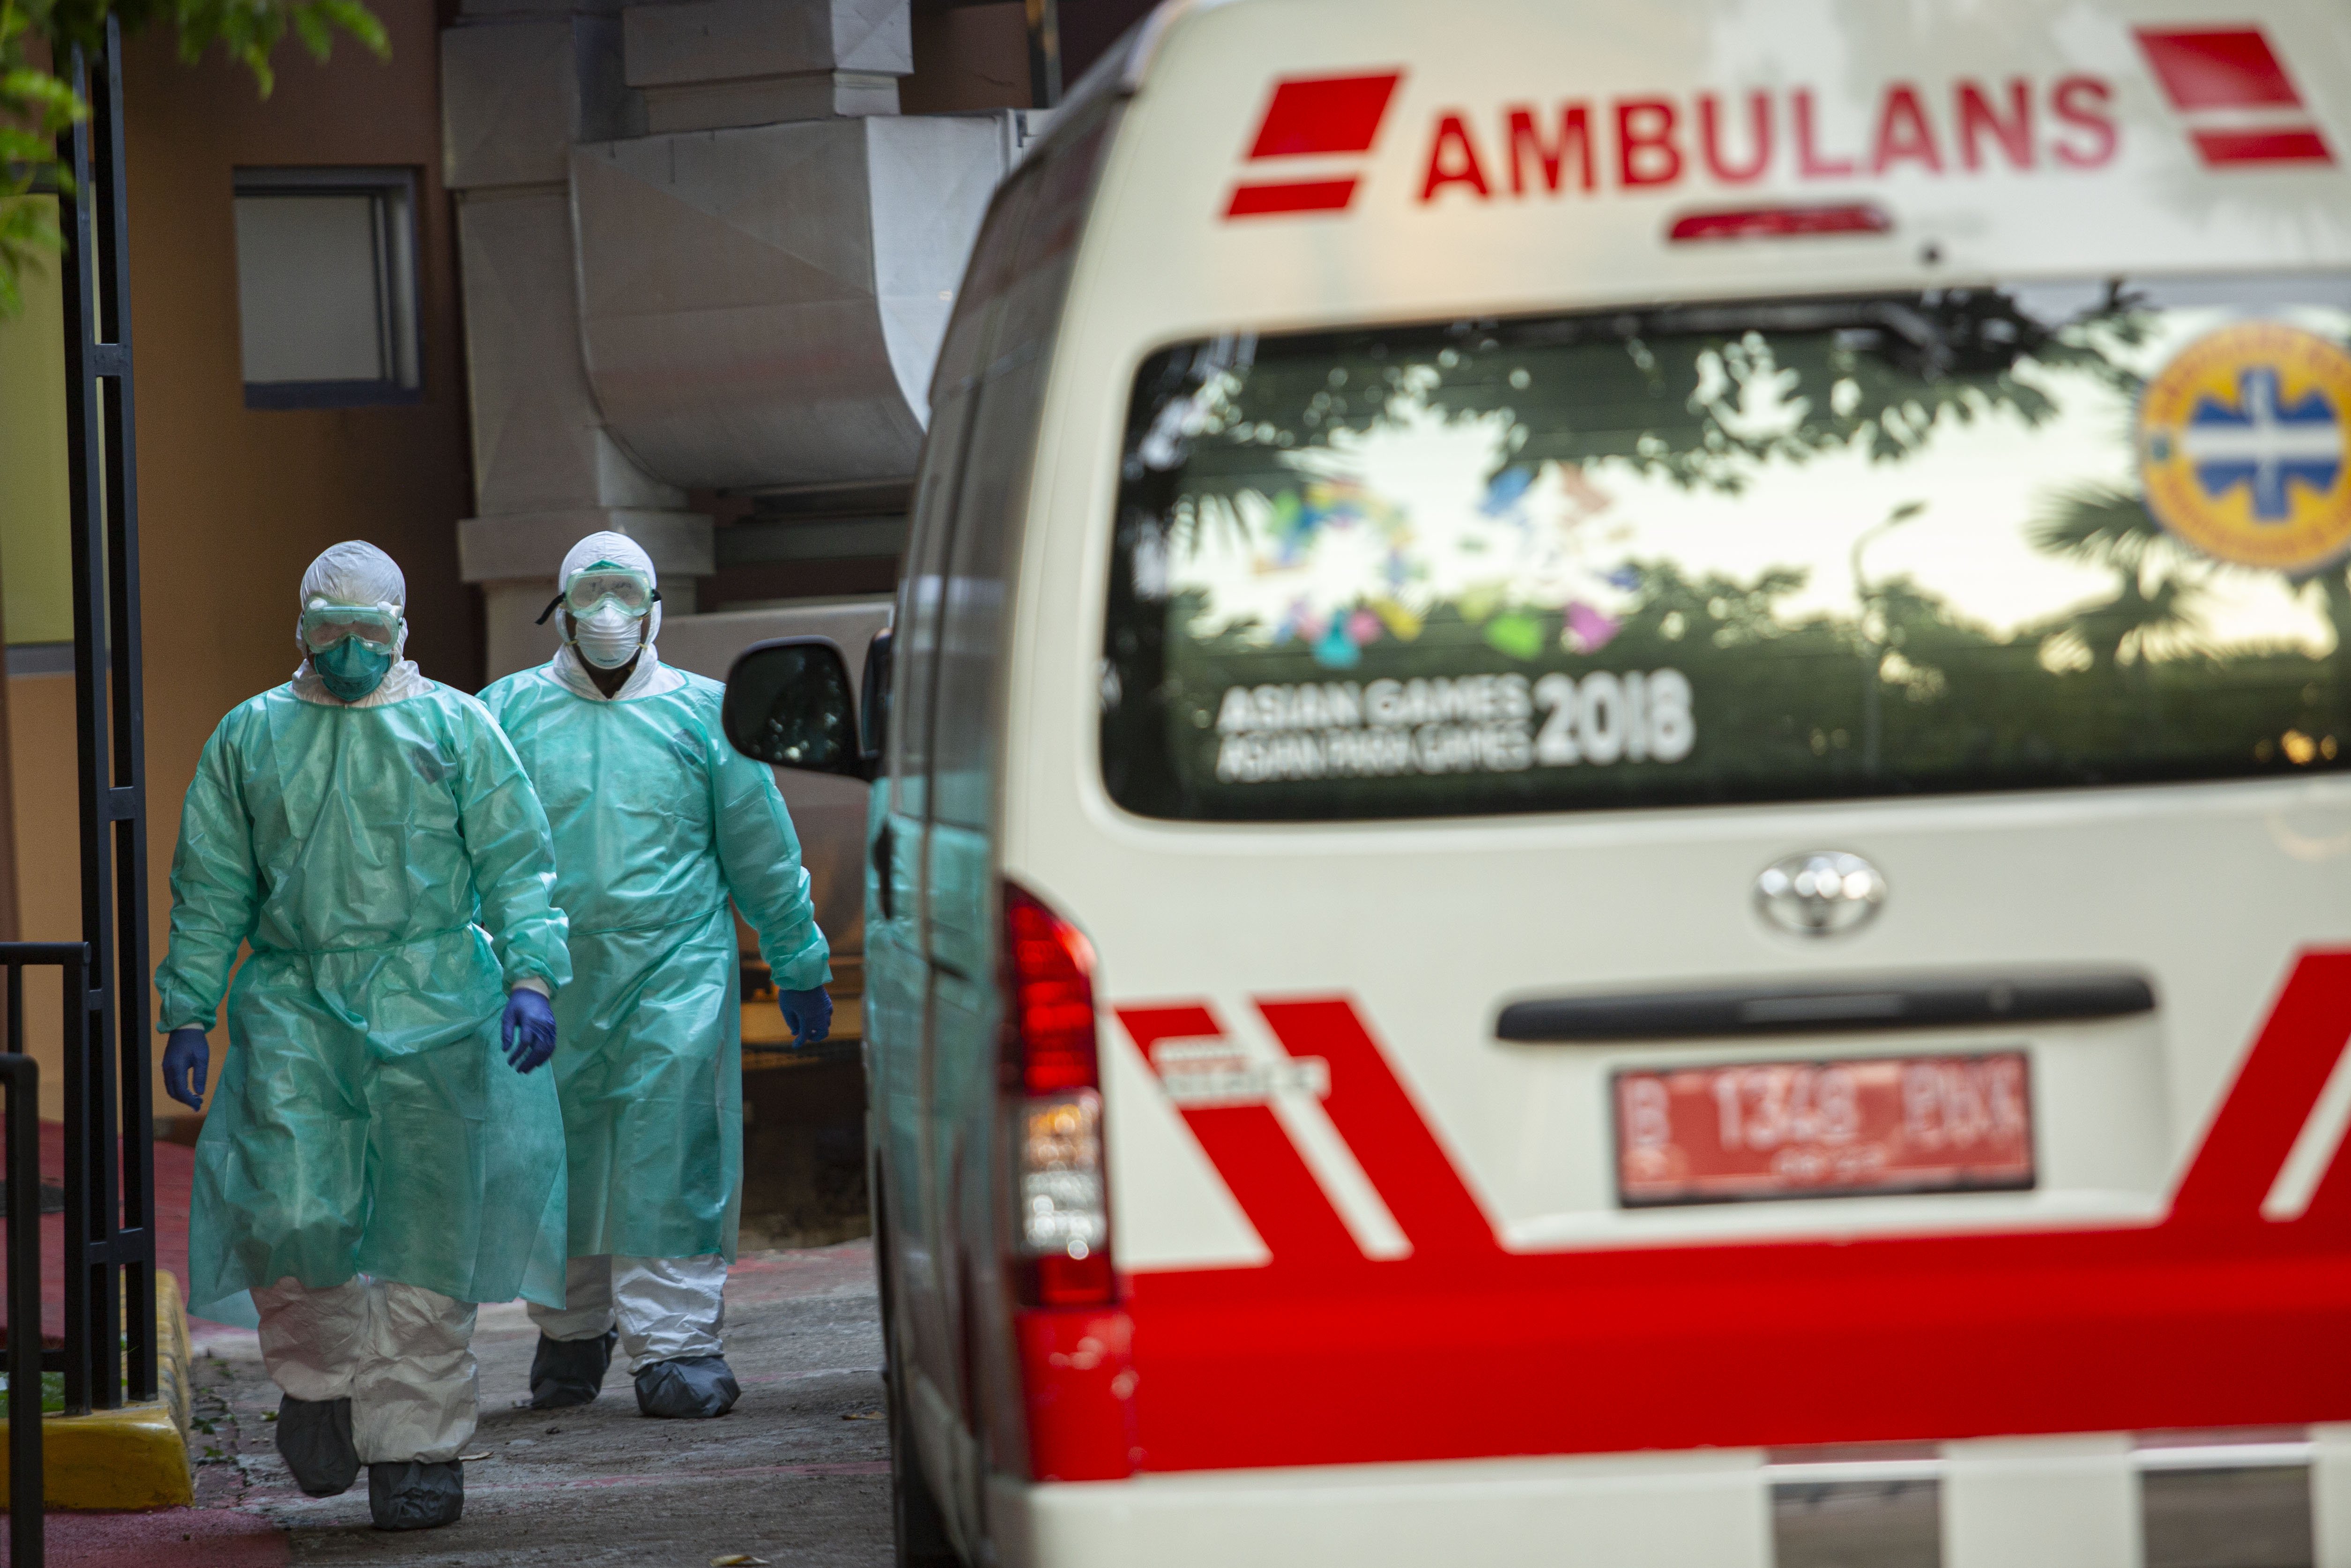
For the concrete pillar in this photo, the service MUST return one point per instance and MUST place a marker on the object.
(519, 87)
(701, 250)
(702, 65)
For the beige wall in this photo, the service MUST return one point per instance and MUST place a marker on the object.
(49, 854)
(35, 556)
(234, 503)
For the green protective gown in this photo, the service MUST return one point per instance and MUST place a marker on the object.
(392, 870)
(658, 821)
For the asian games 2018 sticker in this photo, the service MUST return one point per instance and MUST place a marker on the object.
(2244, 443)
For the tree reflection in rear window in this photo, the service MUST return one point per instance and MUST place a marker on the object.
(2038, 537)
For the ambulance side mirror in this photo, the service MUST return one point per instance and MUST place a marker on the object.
(787, 705)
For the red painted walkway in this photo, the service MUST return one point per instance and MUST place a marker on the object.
(192, 1537)
(211, 1537)
(174, 1168)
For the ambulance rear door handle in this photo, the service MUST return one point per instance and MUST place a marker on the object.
(1944, 1001)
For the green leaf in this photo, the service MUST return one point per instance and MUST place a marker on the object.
(361, 23)
(26, 84)
(37, 103)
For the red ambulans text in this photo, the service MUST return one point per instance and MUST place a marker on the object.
(1661, 142)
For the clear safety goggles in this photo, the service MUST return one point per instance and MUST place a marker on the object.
(324, 625)
(591, 590)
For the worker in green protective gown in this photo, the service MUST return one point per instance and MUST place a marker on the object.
(657, 821)
(371, 1168)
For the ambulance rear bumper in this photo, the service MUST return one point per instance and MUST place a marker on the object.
(1629, 1510)
(2052, 1501)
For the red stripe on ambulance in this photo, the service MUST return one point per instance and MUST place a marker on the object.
(1293, 197)
(1311, 115)
(2212, 1316)
(2273, 1096)
(2290, 146)
(1314, 116)
(2218, 68)
(1247, 1143)
(2228, 71)
(1390, 1134)
(2217, 77)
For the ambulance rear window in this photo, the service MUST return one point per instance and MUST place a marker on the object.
(2042, 536)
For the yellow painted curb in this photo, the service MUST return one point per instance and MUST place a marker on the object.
(135, 1458)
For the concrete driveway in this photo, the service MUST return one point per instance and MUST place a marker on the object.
(798, 1473)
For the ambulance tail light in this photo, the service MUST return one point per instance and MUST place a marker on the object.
(1052, 1082)
(1073, 1342)
(1783, 222)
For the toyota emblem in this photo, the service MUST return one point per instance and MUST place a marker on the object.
(1822, 892)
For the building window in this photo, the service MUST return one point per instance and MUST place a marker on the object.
(325, 287)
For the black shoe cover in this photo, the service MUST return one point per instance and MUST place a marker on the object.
(567, 1372)
(314, 1439)
(689, 1386)
(410, 1494)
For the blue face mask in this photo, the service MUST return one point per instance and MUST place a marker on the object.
(352, 667)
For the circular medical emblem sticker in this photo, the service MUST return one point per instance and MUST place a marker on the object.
(2245, 446)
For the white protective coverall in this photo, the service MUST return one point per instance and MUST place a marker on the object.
(658, 822)
(371, 1170)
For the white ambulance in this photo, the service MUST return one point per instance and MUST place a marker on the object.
(1615, 824)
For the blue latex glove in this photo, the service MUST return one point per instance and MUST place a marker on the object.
(187, 1057)
(808, 1012)
(527, 1030)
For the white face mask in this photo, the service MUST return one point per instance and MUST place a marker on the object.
(608, 637)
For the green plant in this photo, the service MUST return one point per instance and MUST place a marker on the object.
(37, 103)
(53, 1394)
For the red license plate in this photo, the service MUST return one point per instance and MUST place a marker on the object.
(1823, 1129)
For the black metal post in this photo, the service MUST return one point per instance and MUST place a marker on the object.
(26, 1360)
(1045, 52)
(110, 1131)
(22, 1076)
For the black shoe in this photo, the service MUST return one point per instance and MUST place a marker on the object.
(410, 1494)
(691, 1386)
(314, 1439)
(567, 1372)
